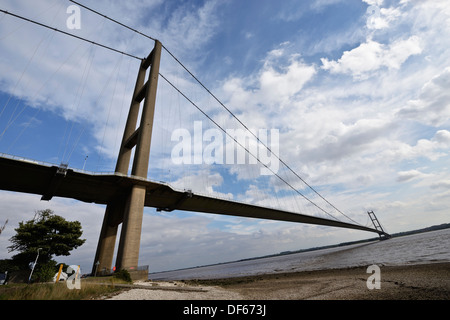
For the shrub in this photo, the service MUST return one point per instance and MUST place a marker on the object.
(45, 272)
(123, 275)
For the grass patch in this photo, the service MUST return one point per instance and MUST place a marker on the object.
(59, 291)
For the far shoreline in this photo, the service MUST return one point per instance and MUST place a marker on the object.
(342, 244)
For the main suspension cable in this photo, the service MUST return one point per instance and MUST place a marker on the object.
(69, 34)
(248, 151)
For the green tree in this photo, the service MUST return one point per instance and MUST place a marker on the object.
(49, 232)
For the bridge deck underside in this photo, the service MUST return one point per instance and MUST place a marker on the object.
(47, 181)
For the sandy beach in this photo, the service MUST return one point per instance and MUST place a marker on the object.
(415, 282)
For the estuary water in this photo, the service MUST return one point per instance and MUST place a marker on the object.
(427, 247)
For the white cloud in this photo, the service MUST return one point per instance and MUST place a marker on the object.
(433, 105)
(443, 184)
(370, 56)
(374, 2)
(275, 85)
(248, 35)
(187, 29)
(381, 18)
(404, 176)
(202, 182)
(347, 141)
(431, 149)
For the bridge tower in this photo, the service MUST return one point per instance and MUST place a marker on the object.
(383, 235)
(128, 208)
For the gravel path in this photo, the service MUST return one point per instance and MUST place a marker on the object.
(159, 290)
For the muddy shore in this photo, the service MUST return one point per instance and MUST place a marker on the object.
(414, 282)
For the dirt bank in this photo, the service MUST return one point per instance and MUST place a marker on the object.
(416, 282)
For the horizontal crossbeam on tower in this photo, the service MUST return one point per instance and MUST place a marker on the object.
(31, 177)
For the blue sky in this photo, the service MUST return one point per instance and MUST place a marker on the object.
(357, 89)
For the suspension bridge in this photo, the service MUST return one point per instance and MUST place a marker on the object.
(126, 193)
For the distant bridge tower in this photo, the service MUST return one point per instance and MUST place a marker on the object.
(128, 208)
(383, 235)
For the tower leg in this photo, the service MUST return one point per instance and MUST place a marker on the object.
(107, 241)
(130, 237)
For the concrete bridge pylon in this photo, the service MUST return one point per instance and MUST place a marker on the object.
(128, 208)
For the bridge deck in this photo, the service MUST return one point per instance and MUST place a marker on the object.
(49, 181)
